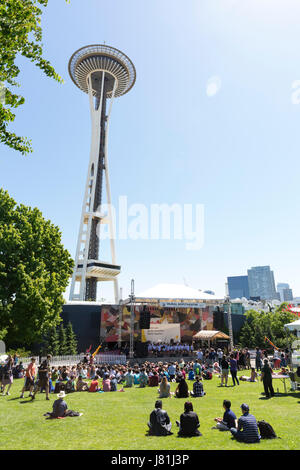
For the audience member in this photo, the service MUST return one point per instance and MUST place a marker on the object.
(189, 422)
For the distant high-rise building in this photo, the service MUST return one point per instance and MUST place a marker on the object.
(284, 291)
(287, 295)
(238, 287)
(261, 283)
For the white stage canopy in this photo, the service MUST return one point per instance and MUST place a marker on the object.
(176, 294)
(293, 326)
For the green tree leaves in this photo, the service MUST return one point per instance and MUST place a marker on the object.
(270, 324)
(20, 33)
(34, 272)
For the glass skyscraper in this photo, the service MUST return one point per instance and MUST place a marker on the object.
(238, 287)
(262, 283)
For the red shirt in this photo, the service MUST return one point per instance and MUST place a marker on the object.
(31, 370)
(94, 386)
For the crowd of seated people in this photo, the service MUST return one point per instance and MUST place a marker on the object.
(105, 377)
(90, 377)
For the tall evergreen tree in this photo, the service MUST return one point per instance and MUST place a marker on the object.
(53, 342)
(62, 337)
(71, 340)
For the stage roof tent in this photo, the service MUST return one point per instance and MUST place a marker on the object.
(293, 326)
(210, 335)
(175, 293)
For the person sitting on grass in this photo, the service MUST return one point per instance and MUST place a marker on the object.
(159, 423)
(191, 374)
(252, 378)
(247, 429)
(207, 374)
(70, 385)
(81, 386)
(129, 378)
(94, 386)
(153, 379)
(189, 422)
(229, 419)
(106, 387)
(198, 388)
(60, 408)
(113, 383)
(164, 388)
(143, 378)
(182, 390)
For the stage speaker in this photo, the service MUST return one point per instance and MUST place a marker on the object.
(145, 319)
(141, 349)
(218, 322)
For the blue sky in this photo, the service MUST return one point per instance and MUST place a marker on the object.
(236, 152)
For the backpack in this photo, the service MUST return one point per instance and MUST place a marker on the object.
(266, 430)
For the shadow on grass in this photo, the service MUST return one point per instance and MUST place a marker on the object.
(281, 395)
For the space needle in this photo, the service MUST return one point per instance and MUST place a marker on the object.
(104, 73)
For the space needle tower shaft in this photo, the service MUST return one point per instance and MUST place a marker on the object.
(104, 73)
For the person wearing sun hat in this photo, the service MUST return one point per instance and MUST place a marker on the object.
(60, 408)
(247, 430)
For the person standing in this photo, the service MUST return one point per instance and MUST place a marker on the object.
(266, 378)
(220, 355)
(29, 378)
(247, 359)
(233, 370)
(224, 370)
(258, 359)
(7, 375)
(200, 356)
(43, 382)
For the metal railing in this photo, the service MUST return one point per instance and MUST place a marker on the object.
(76, 359)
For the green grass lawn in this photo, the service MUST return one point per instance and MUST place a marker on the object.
(118, 421)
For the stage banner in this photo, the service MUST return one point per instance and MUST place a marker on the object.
(162, 333)
(190, 321)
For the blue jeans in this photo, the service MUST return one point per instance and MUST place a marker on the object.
(239, 435)
(234, 377)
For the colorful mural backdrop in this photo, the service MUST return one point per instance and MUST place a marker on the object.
(191, 321)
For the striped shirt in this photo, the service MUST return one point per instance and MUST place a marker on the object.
(247, 423)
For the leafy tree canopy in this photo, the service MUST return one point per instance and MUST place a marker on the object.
(34, 272)
(20, 33)
(259, 325)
